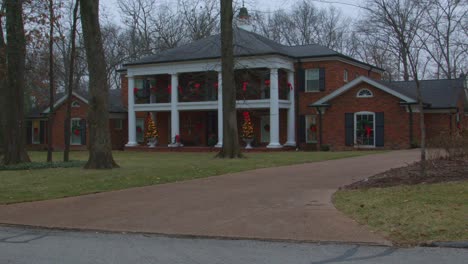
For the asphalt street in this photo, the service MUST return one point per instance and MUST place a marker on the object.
(36, 246)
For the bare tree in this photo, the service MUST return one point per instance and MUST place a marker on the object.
(230, 147)
(201, 17)
(447, 43)
(170, 26)
(404, 19)
(71, 78)
(13, 105)
(100, 150)
(3, 74)
(50, 134)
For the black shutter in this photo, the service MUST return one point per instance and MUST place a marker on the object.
(146, 88)
(322, 79)
(349, 129)
(83, 131)
(301, 133)
(301, 80)
(28, 132)
(42, 131)
(379, 129)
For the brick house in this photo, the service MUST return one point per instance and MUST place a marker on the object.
(37, 124)
(299, 96)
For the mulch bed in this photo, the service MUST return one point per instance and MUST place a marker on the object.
(439, 170)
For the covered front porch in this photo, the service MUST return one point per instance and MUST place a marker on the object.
(183, 101)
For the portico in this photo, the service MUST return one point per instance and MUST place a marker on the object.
(263, 83)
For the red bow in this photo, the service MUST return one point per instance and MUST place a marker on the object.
(197, 86)
(180, 89)
(135, 90)
(368, 130)
(177, 139)
(244, 86)
(290, 86)
(76, 132)
(267, 82)
(169, 88)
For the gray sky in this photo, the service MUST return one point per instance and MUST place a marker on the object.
(110, 6)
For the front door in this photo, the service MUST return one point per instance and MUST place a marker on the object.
(265, 129)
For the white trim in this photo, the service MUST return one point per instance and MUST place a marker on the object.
(268, 61)
(355, 82)
(75, 104)
(61, 100)
(210, 105)
(358, 94)
(345, 75)
(355, 128)
(338, 58)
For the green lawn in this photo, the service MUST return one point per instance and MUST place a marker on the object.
(409, 215)
(139, 169)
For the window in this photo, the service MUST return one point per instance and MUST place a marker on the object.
(364, 134)
(311, 128)
(75, 104)
(36, 132)
(312, 80)
(75, 135)
(140, 129)
(118, 124)
(345, 75)
(364, 93)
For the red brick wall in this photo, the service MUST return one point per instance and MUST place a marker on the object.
(334, 79)
(396, 133)
(124, 89)
(118, 137)
(58, 131)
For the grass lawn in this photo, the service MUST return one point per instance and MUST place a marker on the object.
(410, 215)
(139, 169)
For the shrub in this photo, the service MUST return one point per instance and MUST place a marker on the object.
(325, 147)
(449, 145)
(43, 165)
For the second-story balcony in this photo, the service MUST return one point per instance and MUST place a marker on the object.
(251, 84)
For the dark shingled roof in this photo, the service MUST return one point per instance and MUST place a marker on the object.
(115, 103)
(437, 93)
(245, 44)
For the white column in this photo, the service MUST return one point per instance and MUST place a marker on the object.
(174, 110)
(291, 113)
(274, 110)
(132, 142)
(220, 110)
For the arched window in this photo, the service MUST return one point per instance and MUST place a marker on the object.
(75, 104)
(364, 93)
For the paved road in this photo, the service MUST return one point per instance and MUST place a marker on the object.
(285, 203)
(34, 246)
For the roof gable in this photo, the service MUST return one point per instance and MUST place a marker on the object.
(324, 100)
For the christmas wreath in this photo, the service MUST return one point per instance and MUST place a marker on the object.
(76, 130)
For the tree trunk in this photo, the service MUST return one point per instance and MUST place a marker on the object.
(3, 75)
(51, 83)
(13, 106)
(66, 152)
(100, 150)
(230, 147)
(422, 126)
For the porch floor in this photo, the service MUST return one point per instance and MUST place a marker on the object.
(203, 149)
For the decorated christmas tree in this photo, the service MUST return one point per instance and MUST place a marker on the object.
(151, 130)
(247, 127)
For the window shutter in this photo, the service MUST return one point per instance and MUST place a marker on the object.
(301, 134)
(301, 83)
(42, 131)
(146, 88)
(322, 79)
(28, 132)
(379, 129)
(83, 131)
(349, 129)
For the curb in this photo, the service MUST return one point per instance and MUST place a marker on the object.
(447, 244)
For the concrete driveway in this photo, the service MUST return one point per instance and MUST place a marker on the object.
(284, 203)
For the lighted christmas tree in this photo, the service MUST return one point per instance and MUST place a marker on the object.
(151, 130)
(247, 127)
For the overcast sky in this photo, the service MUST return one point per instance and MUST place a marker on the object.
(110, 6)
